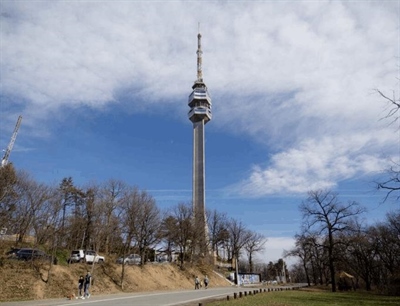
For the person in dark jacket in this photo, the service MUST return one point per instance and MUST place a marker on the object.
(80, 286)
(88, 279)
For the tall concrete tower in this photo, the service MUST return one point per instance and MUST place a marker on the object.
(200, 113)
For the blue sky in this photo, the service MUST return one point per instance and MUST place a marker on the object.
(102, 87)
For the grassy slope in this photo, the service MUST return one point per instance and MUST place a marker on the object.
(26, 280)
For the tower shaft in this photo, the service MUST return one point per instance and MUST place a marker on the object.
(200, 113)
(198, 166)
(198, 193)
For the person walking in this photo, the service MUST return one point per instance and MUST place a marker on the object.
(88, 279)
(81, 280)
(196, 283)
(206, 282)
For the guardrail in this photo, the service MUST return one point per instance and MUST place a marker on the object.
(241, 294)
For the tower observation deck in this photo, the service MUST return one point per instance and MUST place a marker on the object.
(199, 100)
(200, 113)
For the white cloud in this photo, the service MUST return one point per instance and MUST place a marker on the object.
(316, 165)
(296, 77)
(274, 248)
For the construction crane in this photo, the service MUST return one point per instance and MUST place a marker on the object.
(4, 160)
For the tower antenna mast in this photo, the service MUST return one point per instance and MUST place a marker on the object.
(199, 59)
(4, 160)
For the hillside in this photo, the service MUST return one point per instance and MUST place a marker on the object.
(24, 281)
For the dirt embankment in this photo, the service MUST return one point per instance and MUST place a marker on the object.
(25, 281)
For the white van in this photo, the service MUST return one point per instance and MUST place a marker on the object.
(88, 256)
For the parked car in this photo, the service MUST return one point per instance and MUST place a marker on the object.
(13, 252)
(76, 256)
(132, 259)
(88, 256)
(33, 254)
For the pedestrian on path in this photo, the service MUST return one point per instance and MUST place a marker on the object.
(196, 283)
(81, 280)
(88, 279)
(206, 282)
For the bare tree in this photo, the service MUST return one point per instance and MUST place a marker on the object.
(217, 229)
(67, 189)
(392, 183)
(393, 106)
(142, 220)
(47, 222)
(238, 236)
(32, 197)
(386, 238)
(297, 274)
(360, 255)
(110, 197)
(302, 250)
(182, 230)
(254, 243)
(393, 220)
(89, 219)
(129, 209)
(31, 208)
(310, 249)
(73, 223)
(323, 212)
(147, 225)
(168, 235)
(8, 194)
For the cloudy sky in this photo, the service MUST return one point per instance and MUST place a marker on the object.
(102, 87)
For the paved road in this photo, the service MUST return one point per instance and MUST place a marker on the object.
(162, 298)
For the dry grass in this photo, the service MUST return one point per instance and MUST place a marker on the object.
(21, 281)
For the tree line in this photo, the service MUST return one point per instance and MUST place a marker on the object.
(114, 218)
(334, 239)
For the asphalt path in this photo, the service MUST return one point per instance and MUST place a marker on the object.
(161, 298)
